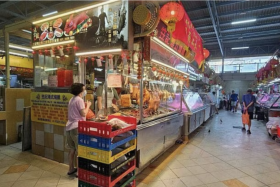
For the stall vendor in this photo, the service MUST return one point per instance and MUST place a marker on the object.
(111, 94)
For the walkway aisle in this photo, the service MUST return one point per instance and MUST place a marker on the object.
(23, 169)
(225, 157)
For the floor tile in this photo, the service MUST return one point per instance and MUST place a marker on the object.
(17, 169)
(250, 181)
(191, 181)
(217, 184)
(174, 183)
(196, 170)
(156, 184)
(6, 184)
(31, 175)
(9, 177)
(275, 185)
(181, 172)
(207, 178)
(264, 178)
(47, 182)
(222, 175)
(234, 183)
(168, 174)
(25, 183)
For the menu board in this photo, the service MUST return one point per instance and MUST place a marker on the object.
(99, 27)
(50, 108)
(114, 80)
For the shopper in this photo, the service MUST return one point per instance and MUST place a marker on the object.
(76, 112)
(257, 106)
(215, 101)
(234, 99)
(248, 106)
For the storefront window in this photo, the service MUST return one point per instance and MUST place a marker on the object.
(56, 68)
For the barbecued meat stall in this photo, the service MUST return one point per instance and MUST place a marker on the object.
(271, 107)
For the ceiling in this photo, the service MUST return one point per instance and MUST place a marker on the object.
(262, 37)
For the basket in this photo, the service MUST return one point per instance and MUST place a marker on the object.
(101, 129)
(107, 181)
(103, 143)
(104, 169)
(103, 156)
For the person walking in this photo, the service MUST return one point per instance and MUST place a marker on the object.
(215, 101)
(248, 106)
(76, 112)
(234, 99)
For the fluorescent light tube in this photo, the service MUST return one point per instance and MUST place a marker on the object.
(74, 11)
(51, 13)
(19, 47)
(99, 52)
(239, 48)
(13, 53)
(158, 41)
(158, 62)
(27, 31)
(18, 54)
(52, 44)
(244, 21)
(50, 69)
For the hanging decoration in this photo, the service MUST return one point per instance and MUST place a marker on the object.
(170, 14)
(206, 53)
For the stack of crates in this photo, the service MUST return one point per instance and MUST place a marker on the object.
(102, 163)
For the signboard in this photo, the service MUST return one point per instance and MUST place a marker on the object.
(114, 80)
(96, 28)
(50, 108)
(147, 48)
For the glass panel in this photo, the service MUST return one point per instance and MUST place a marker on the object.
(193, 100)
(265, 98)
(272, 100)
(55, 68)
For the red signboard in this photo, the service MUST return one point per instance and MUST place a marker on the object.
(186, 34)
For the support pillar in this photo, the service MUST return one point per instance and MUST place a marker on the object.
(7, 58)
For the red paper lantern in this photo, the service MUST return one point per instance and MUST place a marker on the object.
(171, 13)
(206, 53)
(154, 68)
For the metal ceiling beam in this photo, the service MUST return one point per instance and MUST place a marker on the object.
(12, 13)
(244, 34)
(233, 13)
(259, 19)
(215, 22)
(232, 41)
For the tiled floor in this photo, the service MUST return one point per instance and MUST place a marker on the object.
(225, 157)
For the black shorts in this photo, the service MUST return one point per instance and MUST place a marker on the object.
(251, 115)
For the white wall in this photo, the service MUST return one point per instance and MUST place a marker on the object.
(239, 86)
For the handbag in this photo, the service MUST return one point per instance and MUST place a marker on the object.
(245, 117)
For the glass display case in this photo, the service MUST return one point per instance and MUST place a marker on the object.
(264, 99)
(193, 101)
(205, 98)
(269, 103)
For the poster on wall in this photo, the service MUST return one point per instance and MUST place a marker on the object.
(100, 27)
(50, 108)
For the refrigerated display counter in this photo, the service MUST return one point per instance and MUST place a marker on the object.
(208, 104)
(194, 111)
(271, 107)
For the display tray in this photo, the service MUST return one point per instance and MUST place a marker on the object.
(271, 100)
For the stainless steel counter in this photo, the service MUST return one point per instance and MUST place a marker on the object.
(155, 137)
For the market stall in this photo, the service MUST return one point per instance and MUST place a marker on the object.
(124, 75)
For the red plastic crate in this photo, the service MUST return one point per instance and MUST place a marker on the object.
(101, 180)
(101, 129)
(278, 131)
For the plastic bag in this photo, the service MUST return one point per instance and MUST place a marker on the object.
(90, 114)
(245, 118)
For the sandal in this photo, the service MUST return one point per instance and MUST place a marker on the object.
(74, 171)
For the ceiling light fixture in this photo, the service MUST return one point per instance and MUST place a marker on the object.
(17, 54)
(158, 62)
(158, 41)
(74, 11)
(27, 31)
(244, 21)
(52, 44)
(111, 51)
(51, 13)
(19, 47)
(234, 48)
